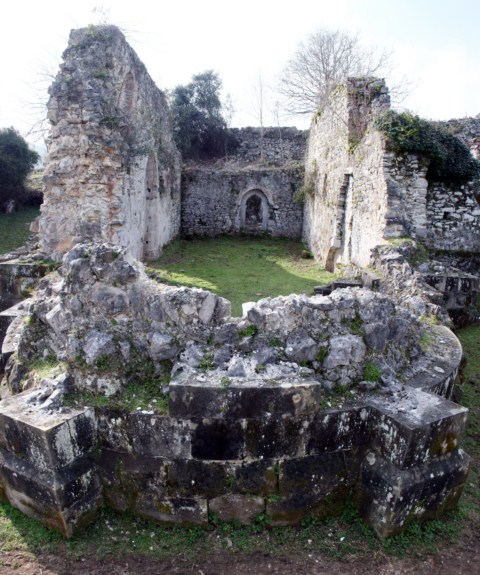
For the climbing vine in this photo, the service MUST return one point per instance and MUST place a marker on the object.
(450, 159)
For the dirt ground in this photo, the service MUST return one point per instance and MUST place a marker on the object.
(463, 558)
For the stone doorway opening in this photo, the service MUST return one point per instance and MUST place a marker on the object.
(254, 212)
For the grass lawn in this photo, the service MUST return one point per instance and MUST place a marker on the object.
(240, 269)
(14, 228)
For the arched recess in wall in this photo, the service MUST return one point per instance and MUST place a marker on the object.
(254, 211)
(127, 96)
(152, 208)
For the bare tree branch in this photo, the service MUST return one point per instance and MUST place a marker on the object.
(323, 62)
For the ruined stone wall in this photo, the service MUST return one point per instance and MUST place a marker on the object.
(453, 214)
(281, 145)
(360, 194)
(232, 200)
(407, 195)
(345, 191)
(112, 170)
(242, 421)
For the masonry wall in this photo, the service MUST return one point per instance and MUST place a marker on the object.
(112, 171)
(229, 201)
(278, 145)
(453, 217)
(360, 194)
(345, 190)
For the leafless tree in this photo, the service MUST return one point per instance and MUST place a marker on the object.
(276, 115)
(259, 108)
(323, 62)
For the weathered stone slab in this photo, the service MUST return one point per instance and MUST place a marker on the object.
(62, 498)
(259, 477)
(391, 498)
(415, 427)
(113, 427)
(234, 507)
(316, 474)
(184, 511)
(192, 478)
(338, 429)
(436, 372)
(161, 436)
(207, 397)
(272, 437)
(46, 440)
(290, 510)
(218, 440)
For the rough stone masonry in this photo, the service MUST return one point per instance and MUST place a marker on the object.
(152, 399)
(289, 411)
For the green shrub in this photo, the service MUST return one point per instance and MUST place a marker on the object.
(450, 159)
(371, 372)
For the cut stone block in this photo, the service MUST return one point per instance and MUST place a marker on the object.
(416, 427)
(113, 426)
(275, 437)
(63, 499)
(241, 508)
(218, 440)
(259, 477)
(290, 510)
(187, 512)
(192, 478)
(198, 398)
(47, 441)
(160, 436)
(45, 467)
(339, 429)
(391, 498)
(315, 475)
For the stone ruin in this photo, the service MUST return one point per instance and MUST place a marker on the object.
(122, 391)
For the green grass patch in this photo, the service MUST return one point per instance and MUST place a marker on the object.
(240, 269)
(14, 230)
(147, 395)
(344, 537)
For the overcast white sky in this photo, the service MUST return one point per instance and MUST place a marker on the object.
(435, 43)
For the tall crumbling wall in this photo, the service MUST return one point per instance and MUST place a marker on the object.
(359, 193)
(345, 191)
(112, 171)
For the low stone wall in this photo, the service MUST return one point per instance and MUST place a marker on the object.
(240, 452)
(250, 200)
(270, 416)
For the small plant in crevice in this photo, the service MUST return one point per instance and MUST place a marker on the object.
(321, 355)
(356, 325)
(225, 382)
(371, 372)
(248, 331)
(206, 363)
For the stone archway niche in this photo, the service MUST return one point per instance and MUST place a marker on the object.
(254, 211)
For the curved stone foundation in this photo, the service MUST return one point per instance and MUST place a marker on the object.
(267, 415)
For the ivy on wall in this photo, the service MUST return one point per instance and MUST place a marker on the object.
(449, 158)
